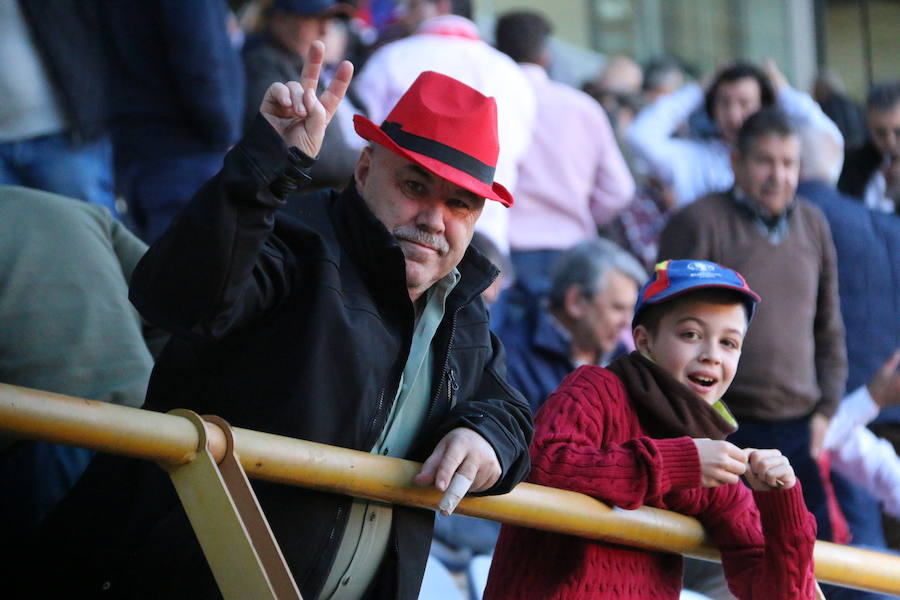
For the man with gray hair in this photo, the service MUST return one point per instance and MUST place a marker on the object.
(872, 172)
(591, 301)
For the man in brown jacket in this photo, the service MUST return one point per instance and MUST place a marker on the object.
(794, 362)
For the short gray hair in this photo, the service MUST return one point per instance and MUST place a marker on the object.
(587, 264)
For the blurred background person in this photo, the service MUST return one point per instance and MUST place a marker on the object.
(867, 245)
(872, 172)
(829, 91)
(695, 167)
(68, 328)
(572, 178)
(277, 55)
(176, 98)
(53, 133)
(590, 303)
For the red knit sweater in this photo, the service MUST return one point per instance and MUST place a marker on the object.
(588, 439)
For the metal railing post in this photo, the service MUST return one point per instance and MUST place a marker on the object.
(226, 517)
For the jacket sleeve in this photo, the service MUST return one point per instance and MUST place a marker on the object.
(766, 540)
(500, 415)
(828, 327)
(571, 449)
(218, 265)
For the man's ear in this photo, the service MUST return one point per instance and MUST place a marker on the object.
(642, 340)
(573, 301)
(361, 171)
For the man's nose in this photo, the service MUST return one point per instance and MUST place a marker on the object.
(430, 217)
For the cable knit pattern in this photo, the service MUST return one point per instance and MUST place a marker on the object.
(588, 439)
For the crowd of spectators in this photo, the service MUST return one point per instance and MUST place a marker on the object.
(139, 103)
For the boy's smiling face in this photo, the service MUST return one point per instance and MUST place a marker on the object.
(699, 343)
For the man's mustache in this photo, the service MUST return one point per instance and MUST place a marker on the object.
(411, 234)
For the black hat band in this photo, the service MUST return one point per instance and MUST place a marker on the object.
(433, 149)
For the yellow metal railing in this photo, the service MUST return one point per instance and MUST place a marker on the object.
(173, 440)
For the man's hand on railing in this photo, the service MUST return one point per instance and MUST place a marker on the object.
(464, 453)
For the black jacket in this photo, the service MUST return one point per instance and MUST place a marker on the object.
(859, 166)
(300, 324)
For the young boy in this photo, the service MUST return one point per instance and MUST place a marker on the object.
(649, 430)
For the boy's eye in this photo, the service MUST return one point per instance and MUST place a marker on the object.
(731, 344)
(690, 335)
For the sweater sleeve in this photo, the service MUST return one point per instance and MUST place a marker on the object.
(766, 540)
(573, 447)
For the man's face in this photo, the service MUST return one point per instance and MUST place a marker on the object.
(734, 102)
(769, 170)
(699, 344)
(884, 128)
(432, 219)
(598, 320)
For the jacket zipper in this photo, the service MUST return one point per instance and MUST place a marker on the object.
(452, 386)
(444, 367)
(378, 408)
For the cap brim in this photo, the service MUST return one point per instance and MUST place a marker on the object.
(368, 130)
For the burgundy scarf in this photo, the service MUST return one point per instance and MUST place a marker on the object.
(665, 407)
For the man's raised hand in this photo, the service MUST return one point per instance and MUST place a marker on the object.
(295, 112)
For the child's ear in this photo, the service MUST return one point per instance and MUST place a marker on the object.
(642, 340)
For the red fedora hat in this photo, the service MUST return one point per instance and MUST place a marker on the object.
(446, 127)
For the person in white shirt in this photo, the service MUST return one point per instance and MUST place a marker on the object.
(448, 42)
(696, 167)
(856, 452)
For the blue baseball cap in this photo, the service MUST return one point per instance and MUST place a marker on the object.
(675, 277)
(311, 8)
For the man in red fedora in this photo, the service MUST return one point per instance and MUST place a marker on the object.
(349, 318)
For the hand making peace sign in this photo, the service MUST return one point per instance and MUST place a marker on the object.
(295, 112)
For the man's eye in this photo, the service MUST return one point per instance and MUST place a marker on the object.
(457, 203)
(415, 187)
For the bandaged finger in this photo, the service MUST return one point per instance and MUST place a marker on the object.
(459, 486)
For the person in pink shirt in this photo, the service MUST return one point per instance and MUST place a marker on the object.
(573, 176)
